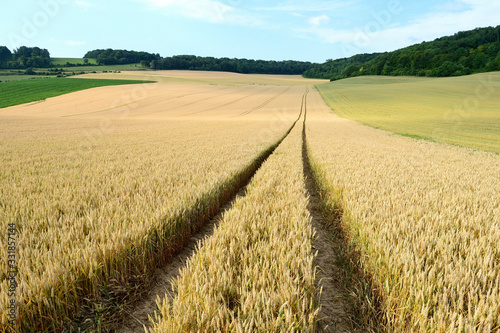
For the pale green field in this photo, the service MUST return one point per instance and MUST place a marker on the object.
(7, 78)
(63, 61)
(462, 111)
(97, 68)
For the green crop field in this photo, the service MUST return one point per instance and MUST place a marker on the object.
(63, 61)
(7, 75)
(25, 91)
(17, 77)
(462, 111)
(128, 67)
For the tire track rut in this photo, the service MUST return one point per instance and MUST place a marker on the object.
(267, 102)
(138, 317)
(333, 316)
(228, 103)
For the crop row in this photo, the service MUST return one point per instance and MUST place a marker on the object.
(255, 273)
(423, 226)
(92, 222)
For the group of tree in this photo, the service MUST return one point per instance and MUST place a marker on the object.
(246, 66)
(466, 52)
(120, 57)
(24, 57)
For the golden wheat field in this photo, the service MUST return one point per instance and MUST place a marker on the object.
(255, 273)
(105, 185)
(102, 183)
(424, 219)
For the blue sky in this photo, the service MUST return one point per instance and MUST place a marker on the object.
(311, 30)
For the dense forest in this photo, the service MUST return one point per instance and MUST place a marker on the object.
(120, 57)
(246, 66)
(464, 53)
(24, 57)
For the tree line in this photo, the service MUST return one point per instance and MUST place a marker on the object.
(192, 62)
(464, 53)
(120, 57)
(24, 57)
(245, 66)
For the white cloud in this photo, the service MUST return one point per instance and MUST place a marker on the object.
(440, 23)
(452, 6)
(83, 3)
(319, 20)
(74, 43)
(377, 36)
(207, 10)
(309, 6)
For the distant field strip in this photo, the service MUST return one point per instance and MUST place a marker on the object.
(462, 111)
(25, 91)
(97, 209)
(266, 102)
(241, 94)
(63, 61)
(422, 219)
(209, 78)
(255, 273)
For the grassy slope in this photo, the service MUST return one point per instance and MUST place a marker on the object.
(128, 67)
(7, 75)
(462, 111)
(63, 61)
(25, 91)
(17, 77)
